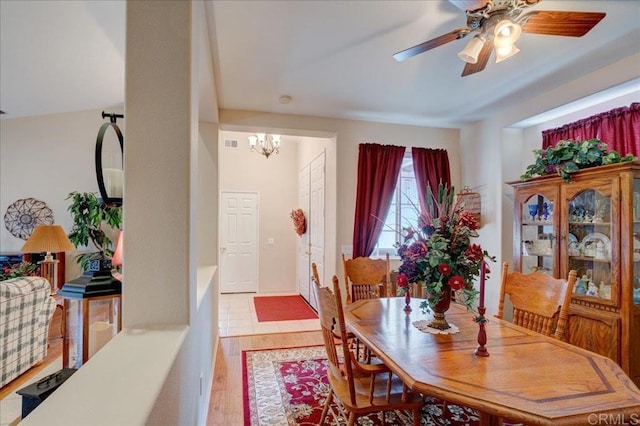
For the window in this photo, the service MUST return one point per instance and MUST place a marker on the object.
(403, 212)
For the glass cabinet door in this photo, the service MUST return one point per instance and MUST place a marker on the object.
(537, 235)
(589, 245)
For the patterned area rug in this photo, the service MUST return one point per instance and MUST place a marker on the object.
(290, 386)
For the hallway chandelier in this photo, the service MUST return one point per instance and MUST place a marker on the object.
(264, 144)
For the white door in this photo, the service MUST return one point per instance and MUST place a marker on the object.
(238, 242)
(302, 258)
(311, 247)
(316, 214)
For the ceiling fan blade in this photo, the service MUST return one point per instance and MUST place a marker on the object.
(465, 5)
(430, 44)
(570, 24)
(483, 58)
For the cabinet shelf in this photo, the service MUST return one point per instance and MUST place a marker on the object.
(590, 259)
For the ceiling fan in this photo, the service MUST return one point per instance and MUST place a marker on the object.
(498, 24)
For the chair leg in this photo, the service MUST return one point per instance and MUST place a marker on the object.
(416, 417)
(325, 410)
(352, 418)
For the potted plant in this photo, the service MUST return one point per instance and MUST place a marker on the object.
(567, 157)
(90, 215)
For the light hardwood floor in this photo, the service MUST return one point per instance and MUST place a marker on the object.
(226, 406)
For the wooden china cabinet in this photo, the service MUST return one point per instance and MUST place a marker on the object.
(592, 225)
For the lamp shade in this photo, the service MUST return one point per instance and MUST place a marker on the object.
(506, 32)
(116, 260)
(471, 51)
(47, 238)
(503, 53)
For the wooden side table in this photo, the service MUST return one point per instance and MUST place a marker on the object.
(60, 305)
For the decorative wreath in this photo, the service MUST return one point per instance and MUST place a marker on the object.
(299, 221)
(23, 215)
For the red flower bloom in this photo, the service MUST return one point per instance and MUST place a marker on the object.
(474, 253)
(402, 281)
(467, 219)
(456, 282)
(444, 268)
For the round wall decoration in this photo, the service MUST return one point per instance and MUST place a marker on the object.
(23, 215)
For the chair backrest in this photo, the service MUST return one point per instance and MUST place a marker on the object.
(314, 272)
(366, 278)
(332, 324)
(540, 301)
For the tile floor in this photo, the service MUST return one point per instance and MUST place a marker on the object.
(238, 318)
(11, 405)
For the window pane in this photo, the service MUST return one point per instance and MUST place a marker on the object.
(387, 239)
(403, 210)
(409, 217)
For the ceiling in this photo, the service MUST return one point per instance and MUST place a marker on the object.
(333, 58)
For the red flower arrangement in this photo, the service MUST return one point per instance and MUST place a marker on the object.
(438, 253)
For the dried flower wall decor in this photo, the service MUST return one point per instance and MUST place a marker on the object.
(299, 221)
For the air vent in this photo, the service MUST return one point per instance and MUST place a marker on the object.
(230, 143)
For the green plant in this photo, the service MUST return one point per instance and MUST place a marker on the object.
(22, 269)
(89, 216)
(568, 157)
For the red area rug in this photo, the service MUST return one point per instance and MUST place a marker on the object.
(282, 308)
(290, 386)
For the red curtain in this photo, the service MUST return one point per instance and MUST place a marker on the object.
(378, 170)
(431, 167)
(618, 128)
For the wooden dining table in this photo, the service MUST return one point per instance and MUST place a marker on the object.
(527, 377)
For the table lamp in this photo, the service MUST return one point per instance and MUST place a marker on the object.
(48, 239)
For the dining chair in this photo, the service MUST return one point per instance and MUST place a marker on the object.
(367, 278)
(540, 301)
(354, 384)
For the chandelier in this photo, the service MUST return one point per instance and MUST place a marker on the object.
(264, 144)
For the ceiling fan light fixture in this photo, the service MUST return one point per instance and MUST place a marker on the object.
(505, 52)
(471, 51)
(506, 32)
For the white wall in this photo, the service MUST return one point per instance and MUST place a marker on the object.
(156, 371)
(47, 157)
(349, 134)
(275, 179)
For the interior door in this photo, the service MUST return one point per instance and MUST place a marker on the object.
(238, 242)
(303, 254)
(316, 215)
